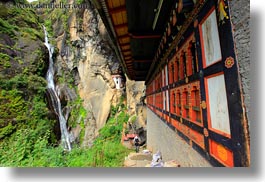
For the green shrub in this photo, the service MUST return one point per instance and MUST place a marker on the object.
(7, 28)
(7, 130)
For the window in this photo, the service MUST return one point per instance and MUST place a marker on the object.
(196, 111)
(177, 70)
(179, 103)
(182, 66)
(211, 49)
(172, 73)
(186, 104)
(174, 103)
(189, 60)
(194, 58)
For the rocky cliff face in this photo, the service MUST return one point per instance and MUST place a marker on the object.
(136, 103)
(83, 62)
(84, 65)
(23, 65)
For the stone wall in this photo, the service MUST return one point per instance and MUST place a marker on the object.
(240, 17)
(162, 138)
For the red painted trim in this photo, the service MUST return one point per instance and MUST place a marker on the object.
(221, 153)
(202, 40)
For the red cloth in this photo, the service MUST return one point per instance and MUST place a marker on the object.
(131, 135)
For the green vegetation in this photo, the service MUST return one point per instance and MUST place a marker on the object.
(33, 33)
(27, 137)
(28, 148)
(133, 119)
(4, 60)
(78, 113)
(107, 150)
(79, 1)
(24, 121)
(48, 25)
(17, 22)
(23, 125)
(55, 16)
(6, 28)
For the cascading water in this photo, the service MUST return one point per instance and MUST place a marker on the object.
(55, 101)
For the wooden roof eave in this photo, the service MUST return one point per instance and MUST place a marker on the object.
(103, 11)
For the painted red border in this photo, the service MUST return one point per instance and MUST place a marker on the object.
(208, 107)
(202, 40)
(213, 148)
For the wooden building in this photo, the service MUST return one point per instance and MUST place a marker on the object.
(185, 51)
(118, 80)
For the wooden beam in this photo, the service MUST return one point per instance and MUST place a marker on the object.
(117, 9)
(127, 57)
(145, 36)
(125, 44)
(121, 25)
(141, 72)
(126, 49)
(123, 36)
(140, 36)
(142, 60)
(128, 53)
(142, 57)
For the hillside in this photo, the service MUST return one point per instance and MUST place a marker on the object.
(93, 111)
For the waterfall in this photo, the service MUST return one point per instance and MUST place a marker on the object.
(55, 101)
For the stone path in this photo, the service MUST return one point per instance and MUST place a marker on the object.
(143, 158)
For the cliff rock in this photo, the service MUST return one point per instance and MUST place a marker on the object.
(136, 103)
(86, 60)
